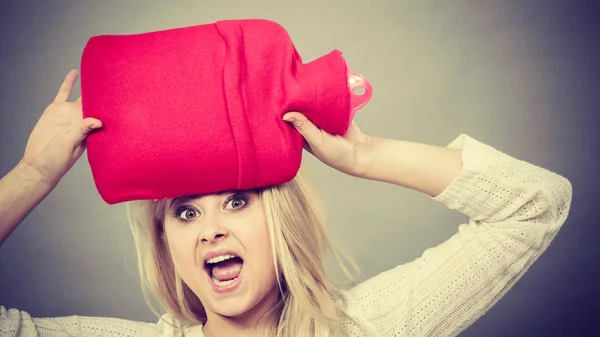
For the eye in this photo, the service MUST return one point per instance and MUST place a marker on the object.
(236, 201)
(186, 213)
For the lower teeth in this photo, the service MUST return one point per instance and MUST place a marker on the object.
(223, 283)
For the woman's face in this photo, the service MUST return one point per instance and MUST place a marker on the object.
(221, 248)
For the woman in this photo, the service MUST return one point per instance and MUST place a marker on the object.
(246, 263)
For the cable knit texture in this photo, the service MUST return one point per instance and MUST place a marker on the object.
(515, 209)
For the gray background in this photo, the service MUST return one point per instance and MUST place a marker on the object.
(521, 76)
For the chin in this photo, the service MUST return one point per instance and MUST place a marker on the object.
(233, 308)
(242, 306)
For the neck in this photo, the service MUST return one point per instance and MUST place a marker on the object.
(218, 325)
(246, 325)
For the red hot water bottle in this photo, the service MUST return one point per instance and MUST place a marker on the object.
(198, 110)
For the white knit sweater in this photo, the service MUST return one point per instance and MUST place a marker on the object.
(515, 210)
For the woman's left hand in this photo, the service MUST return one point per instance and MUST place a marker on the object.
(344, 154)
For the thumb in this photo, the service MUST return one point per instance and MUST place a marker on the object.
(307, 129)
(88, 125)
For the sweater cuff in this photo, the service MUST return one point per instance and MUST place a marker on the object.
(482, 188)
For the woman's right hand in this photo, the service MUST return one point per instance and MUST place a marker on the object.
(58, 139)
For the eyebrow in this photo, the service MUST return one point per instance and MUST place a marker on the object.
(183, 199)
(192, 197)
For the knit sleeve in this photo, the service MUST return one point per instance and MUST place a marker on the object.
(19, 323)
(515, 209)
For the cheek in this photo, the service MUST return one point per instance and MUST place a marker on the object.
(181, 246)
(259, 244)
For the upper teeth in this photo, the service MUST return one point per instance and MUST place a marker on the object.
(220, 258)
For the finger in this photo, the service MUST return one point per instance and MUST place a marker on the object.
(85, 128)
(91, 123)
(65, 89)
(307, 129)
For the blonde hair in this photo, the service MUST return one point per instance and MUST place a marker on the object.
(309, 303)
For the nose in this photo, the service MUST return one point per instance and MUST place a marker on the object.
(212, 231)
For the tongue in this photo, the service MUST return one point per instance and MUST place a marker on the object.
(227, 270)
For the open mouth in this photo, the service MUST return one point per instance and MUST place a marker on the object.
(224, 270)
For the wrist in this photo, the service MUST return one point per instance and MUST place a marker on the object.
(31, 175)
(364, 157)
